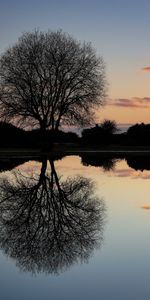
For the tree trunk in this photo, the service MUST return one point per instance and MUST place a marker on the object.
(43, 170)
(43, 135)
(58, 123)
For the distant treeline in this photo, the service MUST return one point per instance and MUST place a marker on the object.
(100, 135)
(10, 135)
(138, 135)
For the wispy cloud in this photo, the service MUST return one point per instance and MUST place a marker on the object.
(134, 102)
(147, 206)
(123, 172)
(129, 172)
(146, 69)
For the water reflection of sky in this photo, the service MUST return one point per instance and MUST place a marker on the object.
(121, 268)
(71, 164)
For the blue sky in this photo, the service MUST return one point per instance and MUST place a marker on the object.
(119, 30)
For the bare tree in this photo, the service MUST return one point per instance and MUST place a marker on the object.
(48, 79)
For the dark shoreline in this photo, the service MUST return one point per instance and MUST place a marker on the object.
(74, 149)
(137, 158)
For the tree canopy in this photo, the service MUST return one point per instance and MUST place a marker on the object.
(49, 78)
(109, 127)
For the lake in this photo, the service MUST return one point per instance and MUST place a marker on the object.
(75, 228)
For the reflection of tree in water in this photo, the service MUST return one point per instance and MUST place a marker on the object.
(96, 160)
(48, 224)
(139, 162)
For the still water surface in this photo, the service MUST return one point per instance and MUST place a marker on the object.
(72, 230)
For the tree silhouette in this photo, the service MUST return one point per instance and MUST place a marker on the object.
(50, 78)
(109, 127)
(138, 162)
(48, 224)
(107, 163)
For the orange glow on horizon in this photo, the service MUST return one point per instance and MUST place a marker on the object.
(127, 115)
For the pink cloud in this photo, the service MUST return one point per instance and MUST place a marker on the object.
(129, 172)
(134, 102)
(147, 206)
(123, 172)
(146, 69)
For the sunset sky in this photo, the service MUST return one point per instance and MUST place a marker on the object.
(120, 32)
